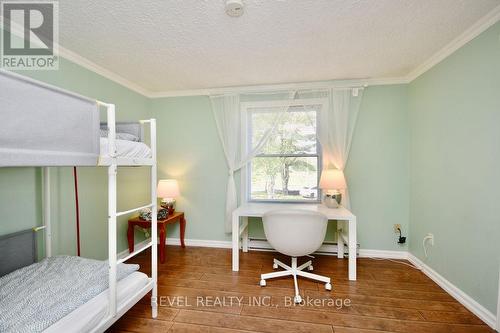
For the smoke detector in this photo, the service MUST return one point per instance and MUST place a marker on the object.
(234, 8)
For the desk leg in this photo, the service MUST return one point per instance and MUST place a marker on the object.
(130, 238)
(352, 249)
(340, 240)
(236, 242)
(244, 235)
(183, 230)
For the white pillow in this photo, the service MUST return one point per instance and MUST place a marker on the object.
(126, 136)
(120, 136)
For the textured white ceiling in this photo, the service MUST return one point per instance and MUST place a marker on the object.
(190, 44)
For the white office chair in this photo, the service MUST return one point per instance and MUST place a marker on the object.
(296, 233)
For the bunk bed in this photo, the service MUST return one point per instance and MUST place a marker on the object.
(45, 126)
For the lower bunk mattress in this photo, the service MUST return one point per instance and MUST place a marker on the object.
(89, 315)
(62, 294)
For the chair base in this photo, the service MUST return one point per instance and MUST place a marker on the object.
(295, 271)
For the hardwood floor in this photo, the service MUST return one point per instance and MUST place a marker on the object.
(198, 292)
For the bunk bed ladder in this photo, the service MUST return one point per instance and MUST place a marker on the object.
(113, 214)
(112, 173)
(46, 211)
(154, 226)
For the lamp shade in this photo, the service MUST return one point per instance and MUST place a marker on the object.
(168, 188)
(332, 179)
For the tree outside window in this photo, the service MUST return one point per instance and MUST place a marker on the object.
(287, 168)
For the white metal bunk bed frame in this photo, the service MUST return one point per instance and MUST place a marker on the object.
(113, 162)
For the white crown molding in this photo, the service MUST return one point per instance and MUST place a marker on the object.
(17, 30)
(93, 67)
(467, 301)
(475, 30)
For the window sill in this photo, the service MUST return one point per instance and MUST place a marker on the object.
(314, 202)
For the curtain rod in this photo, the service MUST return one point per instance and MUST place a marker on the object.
(301, 86)
(222, 91)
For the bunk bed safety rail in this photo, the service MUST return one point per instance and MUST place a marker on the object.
(34, 133)
(111, 123)
(112, 130)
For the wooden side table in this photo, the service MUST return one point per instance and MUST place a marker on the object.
(162, 230)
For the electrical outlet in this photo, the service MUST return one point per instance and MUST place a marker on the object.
(430, 238)
(396, 227)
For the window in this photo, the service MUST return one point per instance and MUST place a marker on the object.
(288, 166)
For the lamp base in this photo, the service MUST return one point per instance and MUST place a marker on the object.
(332, 200)
(168, 204)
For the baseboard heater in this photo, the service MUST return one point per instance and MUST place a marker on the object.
(328, 248)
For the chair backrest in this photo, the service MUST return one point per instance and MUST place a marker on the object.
(295, 232)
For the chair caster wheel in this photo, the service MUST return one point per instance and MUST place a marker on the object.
(328, 286)
(297, 299)
(310, 268)
(262, 283)
(275, 266)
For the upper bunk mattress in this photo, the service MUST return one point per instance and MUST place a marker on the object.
(35, 297)
(126, 149)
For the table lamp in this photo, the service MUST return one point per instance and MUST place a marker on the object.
(168, 189)
(332, 181)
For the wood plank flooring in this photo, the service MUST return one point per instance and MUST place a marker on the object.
(198, 292)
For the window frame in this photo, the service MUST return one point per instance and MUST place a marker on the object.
(246, 171)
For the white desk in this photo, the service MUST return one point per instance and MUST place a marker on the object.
(346, 228)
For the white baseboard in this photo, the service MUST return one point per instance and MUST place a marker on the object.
(498, 304)
(263, 245)
(331, 249)
(125, 252)
(187, 242)
(200, 243)
(467, 301)
(383, 254)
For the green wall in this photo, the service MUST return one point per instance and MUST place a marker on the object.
(20, 188)
(189, 151)
(425, 155)
(378, 169)
(455, 166)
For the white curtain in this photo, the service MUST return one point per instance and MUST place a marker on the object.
(227, 114)
(337, 124)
